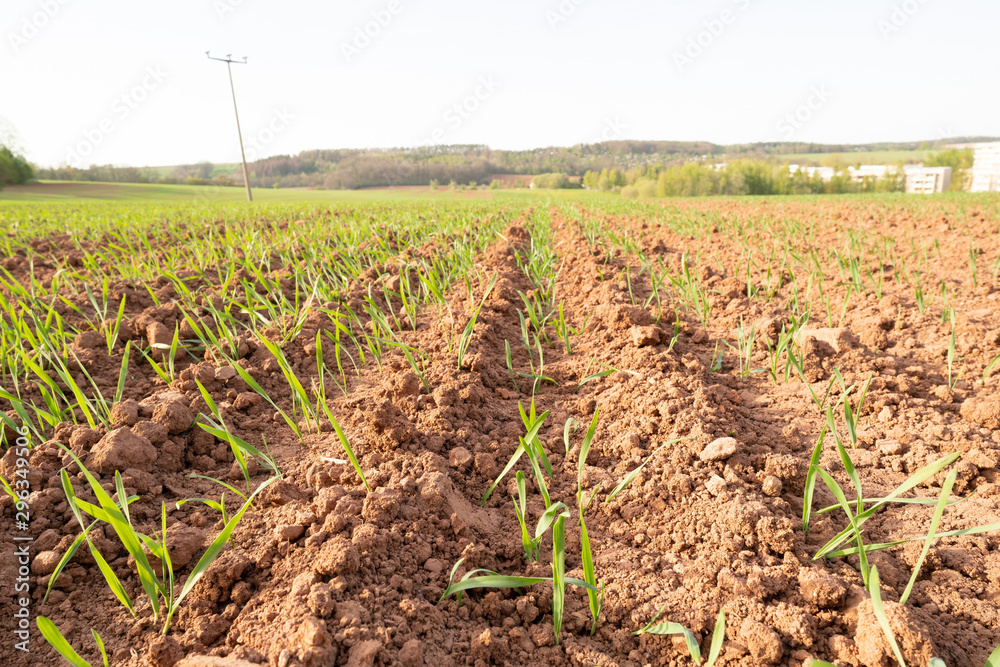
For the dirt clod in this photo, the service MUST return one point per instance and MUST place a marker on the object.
(121, 449)
(982, 411)
(763, 643)
(175, 415)
(337, 556)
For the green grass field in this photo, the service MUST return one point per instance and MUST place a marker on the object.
(53, 191)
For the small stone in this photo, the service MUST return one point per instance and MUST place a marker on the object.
(45, 563)
(643, 336)
(842, 648)
(716, 485)
(83, 438)
(885, 414)
(303, 583)
(289, 532)
(165, 651)
(719, 449)
(460, 458)
(889, 447)
(183, 542)
(434, 566)
(225, 373)
(771, 486)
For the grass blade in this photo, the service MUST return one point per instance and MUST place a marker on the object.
(558, 573)
(938, 512)
(58, 642)
(883, 620)
(632, 475)
(671, 628)
(213, 550)
(807, 497)
(718, 635)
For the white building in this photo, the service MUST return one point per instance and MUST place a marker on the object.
(864, 171)
(927, 180)
(986, 168)
(826, 173)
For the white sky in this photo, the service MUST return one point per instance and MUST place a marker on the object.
(887, 69)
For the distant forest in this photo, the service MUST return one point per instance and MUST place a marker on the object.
(463, 164)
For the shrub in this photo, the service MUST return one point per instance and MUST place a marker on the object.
(14, 168)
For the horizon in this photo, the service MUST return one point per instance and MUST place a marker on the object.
(121, 88)
(945, 142)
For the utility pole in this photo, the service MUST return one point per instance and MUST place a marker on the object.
(229, 61)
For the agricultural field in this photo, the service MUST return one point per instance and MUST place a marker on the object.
(524, 431)
(78, 191)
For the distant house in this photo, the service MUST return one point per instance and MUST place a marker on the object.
(826, 173)
(986, 168)
(870, 171)
(927, 180)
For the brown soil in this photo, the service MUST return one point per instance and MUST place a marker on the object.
(323, 573)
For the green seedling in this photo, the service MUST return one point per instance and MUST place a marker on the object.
(524, 443)
(563, 329)
(300, 399)
(66, 557)
(570, 424)
(632, 475)
(596, 376)
(253, 384)
(810, 486)
(949, 482)
(586, 556)
(989, 367)
(56, 640)
(951, 354)
(510, 366)
(715, 364)
(851, 416)
(530, 545)
(155, 585)
(559, 571)
(669, 628)
(466, 339)
(348, 450)
(876, 592)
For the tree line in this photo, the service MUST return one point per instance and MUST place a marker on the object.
(738, 177)
(14, 168)
(607, 166)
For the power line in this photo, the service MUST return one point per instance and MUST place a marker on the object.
(229, 61)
